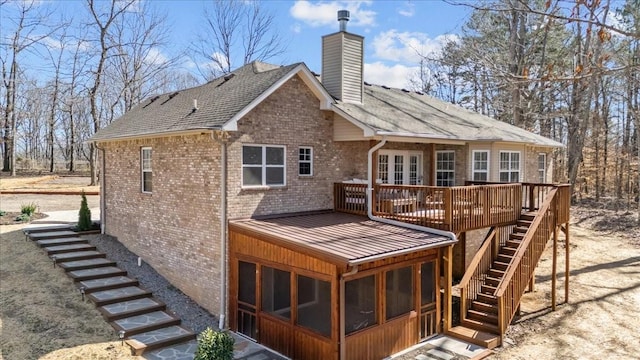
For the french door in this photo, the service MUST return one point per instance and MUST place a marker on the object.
(400, 167)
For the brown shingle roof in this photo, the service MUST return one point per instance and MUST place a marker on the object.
(218, 101)
(346, 238)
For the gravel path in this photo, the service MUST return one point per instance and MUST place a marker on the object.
(193, 316)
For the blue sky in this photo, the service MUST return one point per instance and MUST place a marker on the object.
(393, 30)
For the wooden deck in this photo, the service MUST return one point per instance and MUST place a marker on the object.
(456, 209)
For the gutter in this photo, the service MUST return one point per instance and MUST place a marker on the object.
(103, 215)
(220, 138)
(448, 234)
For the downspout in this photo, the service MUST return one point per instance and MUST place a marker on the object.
(382, 142)
(343, 348)
(221, 138)
(103, 214)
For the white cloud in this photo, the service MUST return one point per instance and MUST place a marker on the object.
(296, 28)
(155, 57)
(324, 13)
(407, 47)
(409, 10)
(395, 76)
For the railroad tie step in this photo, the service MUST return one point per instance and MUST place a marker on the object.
(77, 255)
(67, 248)
(145, 322)
(40, 229)
(96, 273)
(52, 235)
(168, 336)
(86, 264)
(124, 309)
(106, 297)
(61, 241)
(108, 283)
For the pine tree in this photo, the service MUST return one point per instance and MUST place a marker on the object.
(84, 215)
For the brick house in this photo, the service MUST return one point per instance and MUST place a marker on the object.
(249, 194)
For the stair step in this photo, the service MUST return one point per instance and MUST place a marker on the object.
(96, 273)
(145, 322)
(474, 336)
(108, 283)
(182, 351)
(487, 299)
(483, 316)
(40, 229)
(61, 249)
(520, 229)
(512, 244)
(495, 273)
(86, 264)
(62, 241)
(524, 223)
(485, 307)
(491, 281)
(528, 216)
(77, 255)
(130, 308)
(486, 289)
(516, 236)
(480, 325)
(106, 297)
(151, 340)
(500, 265)
(506, 250)
(52, 235)
(504, 258)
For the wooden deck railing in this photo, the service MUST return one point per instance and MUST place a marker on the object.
(476, 273)
(456, 209)
(524, 262)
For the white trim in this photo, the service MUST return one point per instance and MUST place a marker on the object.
(406, 165)
(143, 170)
(509, 171)
(310, 161)
(435, 175)
(544, 169)
(473, 164)
(325, 99)
(264, 166)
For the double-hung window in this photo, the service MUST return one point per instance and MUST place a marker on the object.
(445, 168)
(510, 166)
(145, 169)
(542, 167)
(480, 165)
(305, 161)
(263, 165)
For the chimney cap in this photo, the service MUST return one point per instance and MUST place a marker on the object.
(343, 17)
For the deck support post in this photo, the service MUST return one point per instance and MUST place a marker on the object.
(448, 269)
(554, 273)
(566, 264)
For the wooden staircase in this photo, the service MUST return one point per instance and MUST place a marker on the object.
(500, 272)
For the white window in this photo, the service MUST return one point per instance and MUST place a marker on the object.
(542, 167)
(445, 168)
(480, 165)
(145, 166)
(509, 166)
(305, 161)
(400, 167)
(263, 165)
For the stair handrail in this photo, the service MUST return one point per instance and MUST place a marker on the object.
(478, 267)
(548, 209)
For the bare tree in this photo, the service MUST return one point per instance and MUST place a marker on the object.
(230, 21)
(29, 29)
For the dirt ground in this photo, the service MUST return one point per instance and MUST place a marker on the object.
(42, 316)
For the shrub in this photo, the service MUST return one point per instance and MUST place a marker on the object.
(23, 217)
(3, 213)
(29, 209)
(84, 215)
(214, 345)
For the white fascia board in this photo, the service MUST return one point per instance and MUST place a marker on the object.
(325, 99)
(367, 131)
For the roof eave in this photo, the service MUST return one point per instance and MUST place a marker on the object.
(153, 135)
(402, 252)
